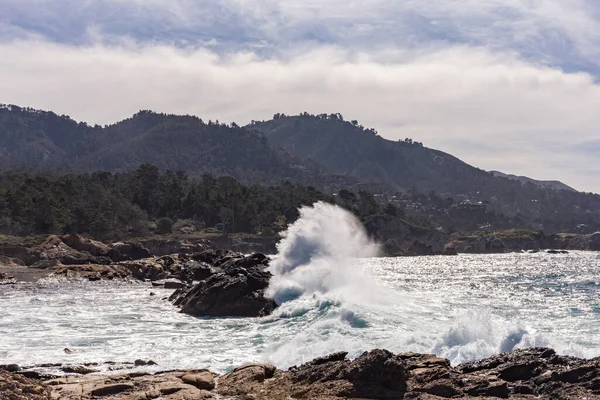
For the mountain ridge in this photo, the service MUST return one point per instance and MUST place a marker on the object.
(323, 151)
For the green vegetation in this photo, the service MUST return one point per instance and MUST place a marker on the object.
(117, 206)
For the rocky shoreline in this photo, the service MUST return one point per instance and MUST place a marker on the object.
(536, 373)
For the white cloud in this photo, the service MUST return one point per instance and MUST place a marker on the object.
(491, 109)
(553, 32)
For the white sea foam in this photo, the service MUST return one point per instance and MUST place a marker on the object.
(318, 255)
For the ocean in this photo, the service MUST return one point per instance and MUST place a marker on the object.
(334, 296)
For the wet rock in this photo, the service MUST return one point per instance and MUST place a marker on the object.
(142, 362)
(10, 367)
(169, 284)
(238, 290)
(552, 251)
(78, 369)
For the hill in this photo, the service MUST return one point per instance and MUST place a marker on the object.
(556, 185)
(40, 140)
(349, 149)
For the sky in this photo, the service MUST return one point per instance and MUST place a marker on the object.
(508, 85)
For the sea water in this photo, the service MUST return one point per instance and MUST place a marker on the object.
(334, 295)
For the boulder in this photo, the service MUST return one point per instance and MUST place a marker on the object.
(23, 254)
(236, 289)
(92, 247)
(201, 380)
(132, 251)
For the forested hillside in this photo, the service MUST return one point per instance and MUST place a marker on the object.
(347, 148)
(38, 140)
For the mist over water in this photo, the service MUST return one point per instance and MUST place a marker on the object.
(333, 295)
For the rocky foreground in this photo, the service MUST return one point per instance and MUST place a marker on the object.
(537, 373)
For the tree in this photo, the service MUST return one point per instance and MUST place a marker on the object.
(164, 226)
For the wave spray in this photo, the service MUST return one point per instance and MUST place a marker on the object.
(318, 254)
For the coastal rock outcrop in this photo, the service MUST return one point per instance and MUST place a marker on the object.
(236, 287)
(402, 239)
(535, 373)
(163, 247)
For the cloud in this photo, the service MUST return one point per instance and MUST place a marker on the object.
(549, 32)
(492, 109)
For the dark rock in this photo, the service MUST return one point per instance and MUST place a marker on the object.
(10, 367)
(552, 251)
(142, 362)
(577, 374)
(238, 291)
(488, 388)
(169, 283)
(132, 251)
(341, 356)
(450, 251)
(162, 247)
(377, 367)
(78, 369)
(520, 372)
(110, 390)
(27, 256)
(375, 374)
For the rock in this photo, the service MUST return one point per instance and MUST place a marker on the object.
(201, 380)
(92, 247)
(519, 371)
(237, 291)
(132, 251)
(377, 374)
(45, 264)
(552, 251)
(449, 251)
(19, 387)
(110, 390)
(169, 284)
(27, 256)
(10, 367)
(378, 368)
(142, 362)
(401, 238)
(11, 262)
(78, 369)
(161, 247)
